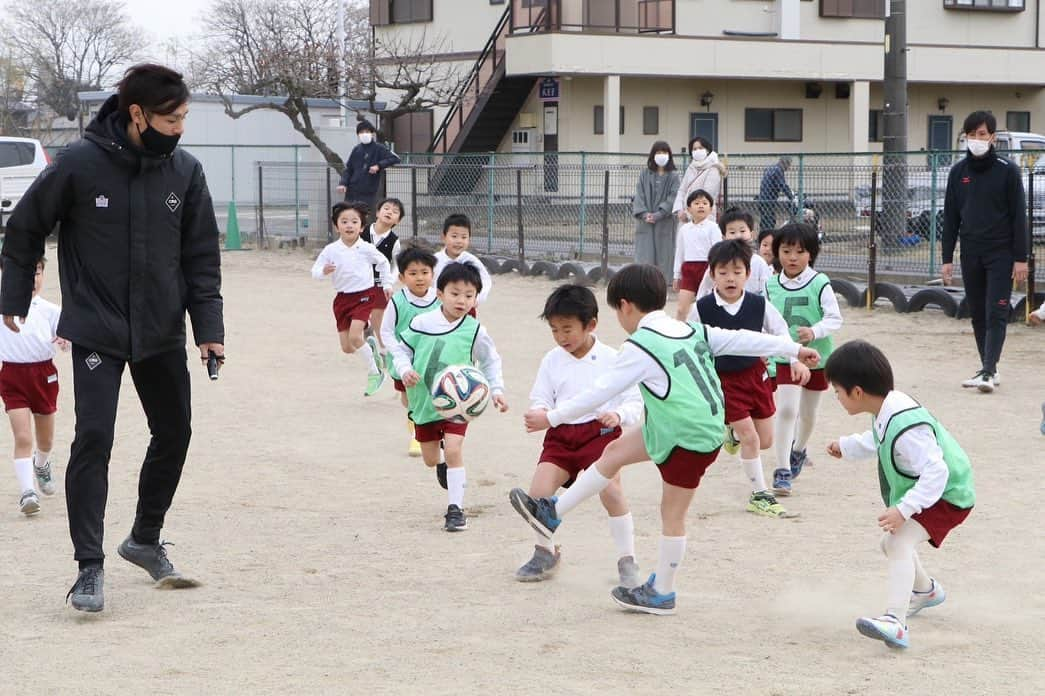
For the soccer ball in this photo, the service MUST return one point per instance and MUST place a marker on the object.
(460, 393)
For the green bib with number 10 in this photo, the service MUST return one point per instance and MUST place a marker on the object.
(801, 307)
(432, 354)
(691, 414)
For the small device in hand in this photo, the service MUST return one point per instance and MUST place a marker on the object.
(212, 364)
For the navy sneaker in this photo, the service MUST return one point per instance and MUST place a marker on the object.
(782, 482)
(539, 512)
(644, 599)
(798, 460)
(455, 519)
(86, 593)
(152, 558)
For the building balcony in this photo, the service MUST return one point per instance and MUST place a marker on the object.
(593, 16)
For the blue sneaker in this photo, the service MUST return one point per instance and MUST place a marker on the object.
(923, 600)
(782, 482)
(886, 628)
(644, 599)
(1042, 428)
(539, 512)
(798, 460)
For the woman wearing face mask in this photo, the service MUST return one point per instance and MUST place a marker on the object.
(654, 195)
(361, 179)
(704, 172)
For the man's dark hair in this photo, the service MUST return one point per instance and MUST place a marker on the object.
(415, 253)
(699, 193)
(365, 125)
(980, 118)
(735, 214)
(460, 271)
(457, 220)
(155, 88)
(660, 146)
(357, 206)
(393, 201)
(571, 301)
(641, 284)
(728, 251)
(797, 233)
(860, 364)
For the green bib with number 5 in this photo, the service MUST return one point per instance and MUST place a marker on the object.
(801, 307)
(691, 414)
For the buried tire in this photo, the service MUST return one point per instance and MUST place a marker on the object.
(933, 296)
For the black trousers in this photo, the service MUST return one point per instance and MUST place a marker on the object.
(988, 290)
(162, 383)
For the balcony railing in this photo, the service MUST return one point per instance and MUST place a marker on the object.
(595, 16)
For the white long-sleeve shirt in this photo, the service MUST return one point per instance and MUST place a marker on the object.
(483, 350)
(35, 340)
(915, 453)
(693, 241)
(391, 318)
(1040, 311)
(561, 377)
(396, 248)
(832, 320)
(442, 260)
(353, 266)
(634, 365)
(772, 321)
(761, 272)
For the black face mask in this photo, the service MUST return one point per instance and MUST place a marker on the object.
(156, 142)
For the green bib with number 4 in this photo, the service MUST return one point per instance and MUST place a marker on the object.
(691, 414)
(801, 307)
(432, 354)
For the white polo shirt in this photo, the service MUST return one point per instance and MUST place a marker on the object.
(35, 341)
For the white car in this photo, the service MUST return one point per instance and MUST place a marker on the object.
(21, 159)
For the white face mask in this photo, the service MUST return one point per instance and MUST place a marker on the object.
(978, 148)
(366, 138)
(661, 158)
(699, 155)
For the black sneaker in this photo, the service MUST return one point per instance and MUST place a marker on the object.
(86, 593)
(455, 519)
(440, 474)
(153, 559)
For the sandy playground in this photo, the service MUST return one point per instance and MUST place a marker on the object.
(326, 570)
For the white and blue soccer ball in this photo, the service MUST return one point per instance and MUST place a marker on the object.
(460, 393)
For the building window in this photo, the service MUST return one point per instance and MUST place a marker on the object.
(853, 9)
(384, 12)
(650, 120)
(599, 117)
(875, 126)
(995, 5)
(773, 125)
(1017, 121)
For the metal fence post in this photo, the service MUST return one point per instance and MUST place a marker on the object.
(261, 205)
(519, 218)
(297, 197)
(932, 216)
(330, 206)
(413, 199)
(1031, 296)
(584, 197)
(801, 184)
(489, 203)
(233, 169)
(872, 246)
(605, 261)
(725, 187)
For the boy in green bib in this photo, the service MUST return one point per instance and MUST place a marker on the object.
(416, 266)
(924, 475)
(673, 364)
(431, 342)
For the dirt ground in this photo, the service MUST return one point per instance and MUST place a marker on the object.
(325, 568)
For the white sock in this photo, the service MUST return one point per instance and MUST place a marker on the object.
(40, 458)
(787, 399)
(589, 483)
(368, 354)
(672, 549)
(24, 472)
(807, 407)
(622, 529)
(548, 544)
(455, 483)
(753, 471)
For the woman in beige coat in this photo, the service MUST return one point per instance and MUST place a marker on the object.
(704, 172)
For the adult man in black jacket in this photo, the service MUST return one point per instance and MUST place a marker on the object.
(362, 176)
(138, 246)
(985, 207)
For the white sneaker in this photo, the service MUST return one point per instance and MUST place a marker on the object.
(986, 385)
(886, 628)
(924, 600)
(44, 478)
(29, 503)
(974, 381)
(997, 377)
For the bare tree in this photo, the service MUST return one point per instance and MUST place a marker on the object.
(13, 109)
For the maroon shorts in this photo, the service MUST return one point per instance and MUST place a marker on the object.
(573, 448)
(30, 385)
(684, 468)
(817, 380)
(380, 300)
(692, 274)
(748, 392)
(354, 306)
(433, 432)
(940, 518)
(398, 384)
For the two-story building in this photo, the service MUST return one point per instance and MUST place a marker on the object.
(750, 75)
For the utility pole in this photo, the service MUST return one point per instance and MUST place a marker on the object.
(341, 88)
(894, 113)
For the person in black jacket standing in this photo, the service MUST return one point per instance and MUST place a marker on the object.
(362, 176)
(985, 208)
(138, 247)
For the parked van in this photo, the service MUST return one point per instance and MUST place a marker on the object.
(21, 159)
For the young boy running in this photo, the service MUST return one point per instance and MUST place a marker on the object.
(457, 235)
(29, 388)
(381, 233)
(350, 262)
(736, 224)
(745, 382)
(682, 429)
(924, 475)
(572, 314)
(430, 343)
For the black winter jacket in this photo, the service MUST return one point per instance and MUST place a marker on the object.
(357, 178)
(137, 246)
(985, 207)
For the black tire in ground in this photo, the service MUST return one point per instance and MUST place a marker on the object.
(492, 264)
(890, 292)
(933, 296)
(543, 268)
(515, 265)
(567, 270)
(850, 292)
